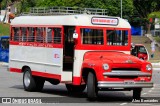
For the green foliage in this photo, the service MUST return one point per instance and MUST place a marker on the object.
(113, 6)
(154, 15)
(157, 38)
(4, 29)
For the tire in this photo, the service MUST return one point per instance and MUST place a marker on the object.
(39, 83)
(28, 80)
(137, 93)
(92, 90)
(74, 88)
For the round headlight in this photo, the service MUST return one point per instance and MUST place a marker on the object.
(148, 67)
(105, 66)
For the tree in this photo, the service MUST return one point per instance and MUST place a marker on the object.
(154, 15)
(6, 4)
(0, 5)
(144, 8)
(113, 6)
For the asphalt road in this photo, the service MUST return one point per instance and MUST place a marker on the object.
(11, 86)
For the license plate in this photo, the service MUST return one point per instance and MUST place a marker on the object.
(128, 82)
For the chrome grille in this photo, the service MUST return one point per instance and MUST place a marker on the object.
(125, 69)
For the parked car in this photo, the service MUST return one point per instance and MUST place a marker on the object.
(4, 48)
(140, 51)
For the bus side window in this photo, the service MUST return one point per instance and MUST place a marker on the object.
(57, 35)
(92, 36)
(16, 34)
(24, 34)
(117, 37)
(31, 34)
(49, 35)
(40, 35)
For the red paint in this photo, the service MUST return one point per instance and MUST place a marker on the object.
(36, 73)
(15, 70)
(143, 56)
(47, 75)
(95, 61)
(77, 80)
(105, 47)
(36, 44)
(56, 56)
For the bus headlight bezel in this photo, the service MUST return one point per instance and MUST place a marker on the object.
(105, 66)
(148, 67)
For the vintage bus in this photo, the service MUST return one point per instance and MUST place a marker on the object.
(79, 50)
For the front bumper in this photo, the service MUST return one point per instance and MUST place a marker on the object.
(125, 84)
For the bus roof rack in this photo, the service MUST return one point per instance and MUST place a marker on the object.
(65, 11)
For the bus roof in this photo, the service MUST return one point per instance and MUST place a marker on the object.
(72, 20)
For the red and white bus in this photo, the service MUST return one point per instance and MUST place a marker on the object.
(78, 50)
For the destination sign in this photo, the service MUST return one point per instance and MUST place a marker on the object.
(104, 21)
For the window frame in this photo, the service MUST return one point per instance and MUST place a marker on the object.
(97, 28)
(118, 29)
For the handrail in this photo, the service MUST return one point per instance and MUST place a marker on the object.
(65, 11)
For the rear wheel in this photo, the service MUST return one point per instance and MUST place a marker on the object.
(28, 80)
(75, 88)
(137, 93)
(32, 83)
(92, 90)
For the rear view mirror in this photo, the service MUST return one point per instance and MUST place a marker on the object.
(75, 35)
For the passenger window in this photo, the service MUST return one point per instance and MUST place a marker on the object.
(16, 34)
(117, 37)
(92, 36)
(57, 35)
(40, 35)
(49, 35)
(24, 35)
(31, 36)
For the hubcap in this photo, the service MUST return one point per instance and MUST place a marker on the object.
(27, 78)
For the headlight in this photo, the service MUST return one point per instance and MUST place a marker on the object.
(105, 66)
(148, 67)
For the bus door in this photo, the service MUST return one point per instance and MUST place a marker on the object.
(4, 49)
(68, 51)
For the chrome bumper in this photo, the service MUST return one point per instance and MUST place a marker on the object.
(125, 84)
(127, 73)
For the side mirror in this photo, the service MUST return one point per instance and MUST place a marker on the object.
(75, 35)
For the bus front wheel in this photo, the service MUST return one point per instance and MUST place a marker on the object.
(91, 86)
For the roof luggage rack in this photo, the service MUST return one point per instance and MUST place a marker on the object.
(65, 11)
